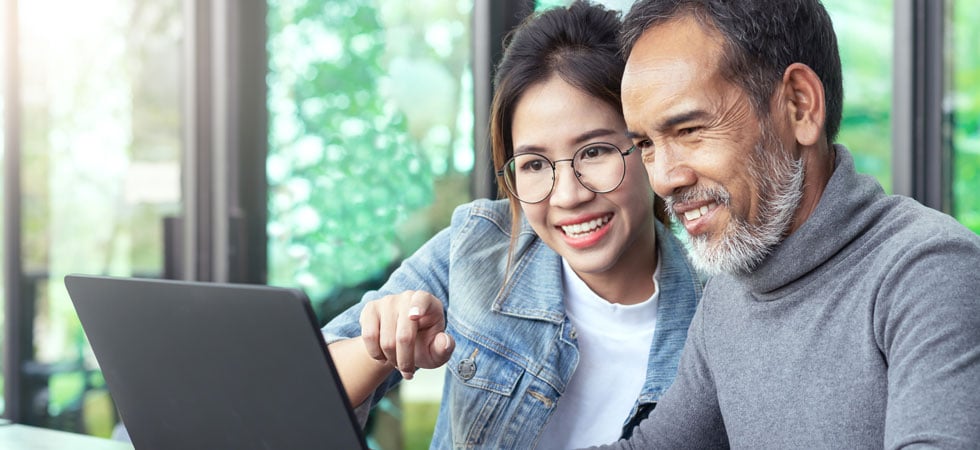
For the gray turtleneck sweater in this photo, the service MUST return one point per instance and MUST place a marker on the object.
(861, 330)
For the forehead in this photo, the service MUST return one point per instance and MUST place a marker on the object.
(669, 62)
(683, 40)
(555, 112)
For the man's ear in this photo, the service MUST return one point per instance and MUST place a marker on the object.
(803, 95)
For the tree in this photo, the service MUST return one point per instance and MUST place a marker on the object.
(343, 170)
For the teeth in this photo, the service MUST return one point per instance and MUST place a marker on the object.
(585, 227)
(697, 213)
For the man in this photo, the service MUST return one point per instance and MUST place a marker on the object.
(837, 316)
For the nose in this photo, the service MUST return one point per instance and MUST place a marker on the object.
(668, 171)
(568, 191)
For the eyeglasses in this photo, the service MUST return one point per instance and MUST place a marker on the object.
(600, 167)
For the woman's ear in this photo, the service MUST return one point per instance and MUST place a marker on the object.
(804, 99)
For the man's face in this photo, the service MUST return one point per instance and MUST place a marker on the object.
(725, 174)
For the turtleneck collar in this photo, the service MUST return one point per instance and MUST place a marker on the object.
(844, 212)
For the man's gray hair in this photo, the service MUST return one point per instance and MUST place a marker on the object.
(762, 38)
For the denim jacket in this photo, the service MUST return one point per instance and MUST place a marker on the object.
(515, 348)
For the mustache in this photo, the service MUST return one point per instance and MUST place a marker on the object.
(718, 195)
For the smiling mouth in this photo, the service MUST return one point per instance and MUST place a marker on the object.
(698, 212)
(584, 228)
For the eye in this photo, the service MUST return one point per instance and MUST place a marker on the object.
(646, 153)
(532, 165)
(688, 131)
(595, 151)
(643, 145)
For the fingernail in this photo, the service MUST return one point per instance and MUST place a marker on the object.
(414, 311)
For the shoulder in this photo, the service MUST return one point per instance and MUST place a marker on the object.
(483, 212)
(915, 255)
(910, 231)
(485, 224)
(926, 264)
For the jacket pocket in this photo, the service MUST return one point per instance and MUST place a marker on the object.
(482, 384)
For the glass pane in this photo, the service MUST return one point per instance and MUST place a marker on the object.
(3, 223)
(966, 112)
(864, 35)
(371, 148)
(370, 137)
(100, 170)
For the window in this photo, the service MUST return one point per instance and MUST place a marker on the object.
(370, 138)
(370, 149)
(965, 105)
(3, 199)
(864, 36)
(100, 150)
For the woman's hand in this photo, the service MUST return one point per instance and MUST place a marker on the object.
(406, 331)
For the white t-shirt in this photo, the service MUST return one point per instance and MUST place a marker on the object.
(614, 346)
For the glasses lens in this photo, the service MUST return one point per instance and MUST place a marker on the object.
(600, 167)
(529, 177)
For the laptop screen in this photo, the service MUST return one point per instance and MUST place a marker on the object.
(208, 365)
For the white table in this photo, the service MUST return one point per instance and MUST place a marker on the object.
(24, 437)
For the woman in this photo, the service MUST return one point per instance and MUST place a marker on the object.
(562, 310)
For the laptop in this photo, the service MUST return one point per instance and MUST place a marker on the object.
(193, 365)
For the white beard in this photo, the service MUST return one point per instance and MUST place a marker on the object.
(743, 245)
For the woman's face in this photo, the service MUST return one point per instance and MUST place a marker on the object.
(595, 233)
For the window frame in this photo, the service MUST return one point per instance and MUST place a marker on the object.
(921, 132)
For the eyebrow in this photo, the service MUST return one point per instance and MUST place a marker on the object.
(590, 135)
(578, 140)
(632, 135)
(670, 122)
(680, 118)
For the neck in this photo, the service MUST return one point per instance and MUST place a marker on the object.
(818, 162)
(630, 280)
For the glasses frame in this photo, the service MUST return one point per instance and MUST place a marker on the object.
(502, 173)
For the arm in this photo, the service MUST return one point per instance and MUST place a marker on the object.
(927, 322)
(359, 373)
(426, 270)
(404, 332)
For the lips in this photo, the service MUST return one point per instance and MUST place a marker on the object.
(582, 229)
(696, 213)
(696, 216)
(695, 205)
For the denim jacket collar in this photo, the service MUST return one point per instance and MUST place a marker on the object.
(680, 291)
(537, 277)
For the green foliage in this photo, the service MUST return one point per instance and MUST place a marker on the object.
(343, 171)
(966, 113)
(865, 38)
(864, 32)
